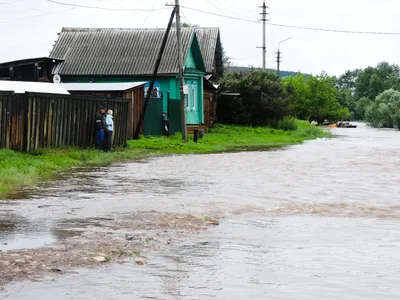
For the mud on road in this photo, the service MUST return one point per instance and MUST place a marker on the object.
(130, 237)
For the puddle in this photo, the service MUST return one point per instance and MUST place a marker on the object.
(23, 241)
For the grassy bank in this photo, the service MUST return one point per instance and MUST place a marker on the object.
(22, 169)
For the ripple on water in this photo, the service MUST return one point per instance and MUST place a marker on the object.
(304, 222)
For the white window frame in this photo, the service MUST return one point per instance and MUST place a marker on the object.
(194, 97)
(187, 96)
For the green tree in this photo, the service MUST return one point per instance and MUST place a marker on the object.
(347, 81)
(372, 81)
(345, 95)
(226, 60)
(261, 99)
(384, 112)
(315, 98)
(298, 92)
(360, 107)
(186, 25)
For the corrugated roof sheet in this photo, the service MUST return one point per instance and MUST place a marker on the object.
(129, 51)
(118, 51)
(209, 41)
(101, 87)
(35, 87)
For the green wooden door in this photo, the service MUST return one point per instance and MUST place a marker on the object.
(153, 121)
(192, 102)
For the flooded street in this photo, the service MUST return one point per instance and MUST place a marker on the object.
(313, 221)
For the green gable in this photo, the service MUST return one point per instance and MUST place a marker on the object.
(194, 63)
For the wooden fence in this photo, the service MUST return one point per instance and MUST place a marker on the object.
(30, 121)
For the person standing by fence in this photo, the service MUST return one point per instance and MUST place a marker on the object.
(109, 132)
(101, 126)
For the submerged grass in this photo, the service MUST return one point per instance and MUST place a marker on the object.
(23, 169)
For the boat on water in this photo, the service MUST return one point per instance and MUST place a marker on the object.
(342, 125)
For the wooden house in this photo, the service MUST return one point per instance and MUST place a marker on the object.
(211, 48)
(106, 55)
(127, 56)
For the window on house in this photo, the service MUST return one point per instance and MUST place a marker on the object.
(187, 96)
(194, 95)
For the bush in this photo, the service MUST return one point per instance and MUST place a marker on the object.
(287, 124)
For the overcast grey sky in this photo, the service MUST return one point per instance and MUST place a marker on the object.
(29, 28)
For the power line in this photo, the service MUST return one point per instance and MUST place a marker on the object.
(10, 3)
(241, 9)
(103, 8)
(39, 15)
(227, 10)
(186, 18)
(194, 6)
(337, 30)
(219, 15)
(148, 15)
(296, 27)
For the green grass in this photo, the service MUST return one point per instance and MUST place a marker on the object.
(24, 169)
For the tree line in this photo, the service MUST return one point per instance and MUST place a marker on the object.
(262, 98)
(372, 94)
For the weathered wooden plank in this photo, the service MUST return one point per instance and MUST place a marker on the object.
(8, 124)
(54, 129)
(68, 120)
(59, 122)
(77, 122)
(2, 131)
(25, 126)
(41, 116)
(45, 121)
(37, 127)
(50, 122)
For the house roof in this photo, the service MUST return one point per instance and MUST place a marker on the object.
(27, 61)
(34, 87)
(211, 49)
(116, 51)
(102, 87)
(130, 51)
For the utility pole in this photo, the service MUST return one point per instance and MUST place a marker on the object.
(264, 37)
(153, 78)
(279, 56)
(278, 61)
(180, 65)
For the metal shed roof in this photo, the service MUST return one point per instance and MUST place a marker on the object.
(102, 87)
(35, 87)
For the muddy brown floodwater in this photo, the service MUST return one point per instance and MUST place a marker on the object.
(313, 221)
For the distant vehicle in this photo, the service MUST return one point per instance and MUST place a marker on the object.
(326, 123)
(342, 125)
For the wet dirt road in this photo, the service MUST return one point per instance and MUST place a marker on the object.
(314, 221)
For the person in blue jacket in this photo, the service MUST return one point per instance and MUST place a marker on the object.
(100, 126)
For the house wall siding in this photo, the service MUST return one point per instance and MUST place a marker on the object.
(167, 84)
